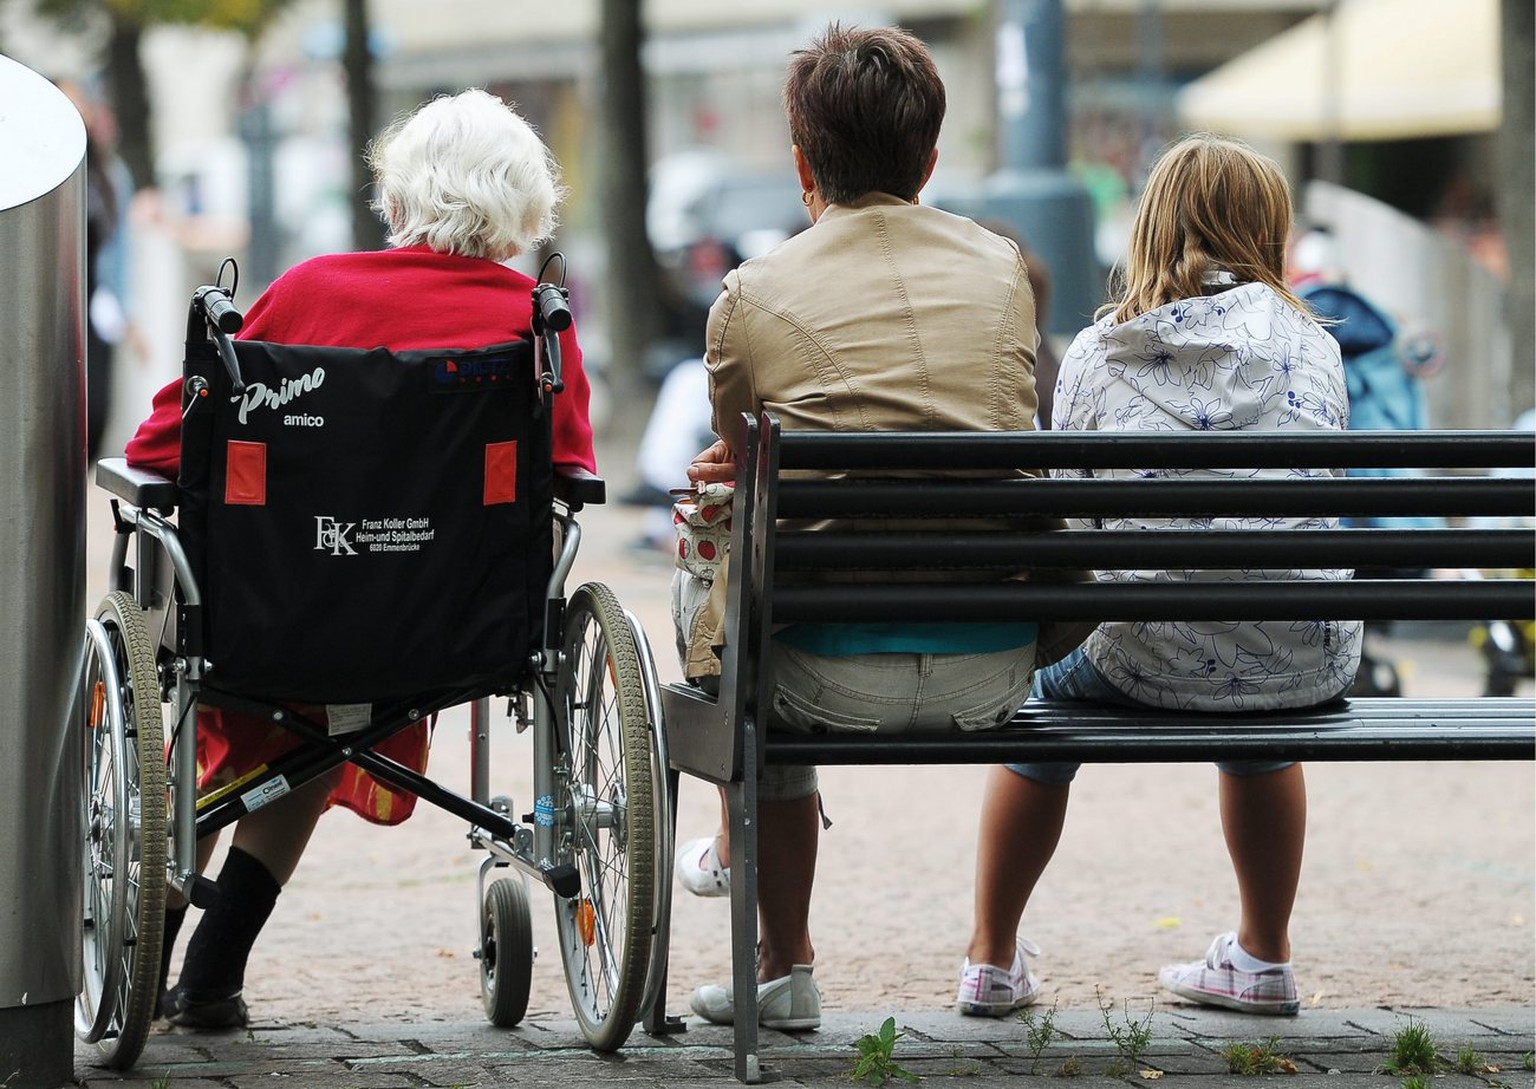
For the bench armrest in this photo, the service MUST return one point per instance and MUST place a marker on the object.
(700, 739)
(140, 487)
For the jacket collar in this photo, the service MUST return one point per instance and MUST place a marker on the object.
(868, 200)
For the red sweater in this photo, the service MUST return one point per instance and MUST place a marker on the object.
(400, 299)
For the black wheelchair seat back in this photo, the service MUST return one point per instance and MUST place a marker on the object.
(366, 525)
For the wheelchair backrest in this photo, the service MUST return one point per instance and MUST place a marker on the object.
(367, 525)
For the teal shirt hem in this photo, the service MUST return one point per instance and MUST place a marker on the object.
(845, 640)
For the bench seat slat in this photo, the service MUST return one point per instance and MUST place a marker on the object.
(1360, 729)
(1069, 735)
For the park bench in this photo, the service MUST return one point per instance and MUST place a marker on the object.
(1476, 485)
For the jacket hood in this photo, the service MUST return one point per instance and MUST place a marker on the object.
(1216, 362)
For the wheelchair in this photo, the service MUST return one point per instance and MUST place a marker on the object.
(361, 540)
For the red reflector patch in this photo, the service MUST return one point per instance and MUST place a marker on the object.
(500, 473)
(245, 474)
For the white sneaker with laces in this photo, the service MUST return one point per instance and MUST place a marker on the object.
(989, 991)
(790, 1003)
(1216, 981)
(699, 870)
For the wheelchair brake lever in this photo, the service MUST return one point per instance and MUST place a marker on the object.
(231, 364)
(550, 380)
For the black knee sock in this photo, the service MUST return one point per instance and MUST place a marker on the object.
(214, 966)
(173, 921)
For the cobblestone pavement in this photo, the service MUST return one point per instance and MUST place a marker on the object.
(1416, 899)
(1185, 1046)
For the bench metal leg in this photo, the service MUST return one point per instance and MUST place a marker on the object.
(741, 800)
(656, 1022)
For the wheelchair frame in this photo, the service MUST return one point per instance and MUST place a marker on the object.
(601, 790)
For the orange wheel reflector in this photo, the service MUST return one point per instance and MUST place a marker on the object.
(586, 922)
(98, 703)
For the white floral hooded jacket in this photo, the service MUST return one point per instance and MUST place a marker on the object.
(1240, 360)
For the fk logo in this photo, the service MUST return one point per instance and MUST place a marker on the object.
(333, 536)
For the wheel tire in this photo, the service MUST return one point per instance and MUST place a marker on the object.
(606, 818)
(506, 952)
(662, 800)
(123, 833)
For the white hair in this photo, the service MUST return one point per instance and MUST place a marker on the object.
(464, 174)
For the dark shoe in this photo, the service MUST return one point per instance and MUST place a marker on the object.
(204, 1013)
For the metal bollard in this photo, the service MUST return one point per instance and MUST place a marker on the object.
(42, 573)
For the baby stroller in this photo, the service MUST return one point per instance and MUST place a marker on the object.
(364, 539)
(1384, 370)
(1508, 647)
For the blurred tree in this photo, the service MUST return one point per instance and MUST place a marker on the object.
(127, 86)
(1517, 212)
(633, 300)
(362, 100)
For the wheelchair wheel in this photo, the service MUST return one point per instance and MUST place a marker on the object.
(608, 819)
(506, 952)
(124, 832)
(661, 793)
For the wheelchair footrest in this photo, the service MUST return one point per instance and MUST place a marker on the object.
(564, 880)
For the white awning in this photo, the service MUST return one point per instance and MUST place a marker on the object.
(1375, 70)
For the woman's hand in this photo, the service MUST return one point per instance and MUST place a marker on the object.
(716, 465)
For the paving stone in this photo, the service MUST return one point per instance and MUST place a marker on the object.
(1338, 1049)
(142, 1079)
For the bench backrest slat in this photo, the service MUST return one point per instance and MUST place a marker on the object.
(1302, 600)
(1155, 497)
(1478, 450)
(1003, 552)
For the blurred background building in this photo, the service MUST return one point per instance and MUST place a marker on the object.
(1392, 118)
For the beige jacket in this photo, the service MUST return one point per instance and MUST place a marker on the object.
(883, 316)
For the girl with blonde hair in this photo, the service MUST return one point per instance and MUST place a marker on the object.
(1203, 335)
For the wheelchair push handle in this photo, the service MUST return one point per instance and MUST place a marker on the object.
(217, 308)
(551, 316)
(551, 305)
(214, 306)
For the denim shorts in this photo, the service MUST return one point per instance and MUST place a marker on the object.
(1076, 678)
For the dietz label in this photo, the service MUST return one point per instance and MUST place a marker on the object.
(480, 373)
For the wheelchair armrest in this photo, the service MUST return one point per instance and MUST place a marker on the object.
(577, 487)
(143, 489)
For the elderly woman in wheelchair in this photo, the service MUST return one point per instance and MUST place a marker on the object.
(374, 487)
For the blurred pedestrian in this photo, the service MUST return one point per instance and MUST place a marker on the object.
(105, 200)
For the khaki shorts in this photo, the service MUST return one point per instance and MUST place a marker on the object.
(888, 693)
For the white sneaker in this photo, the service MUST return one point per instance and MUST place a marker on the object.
(1215, 981)
(699, 870)
(790, 1003)
(988, 991)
